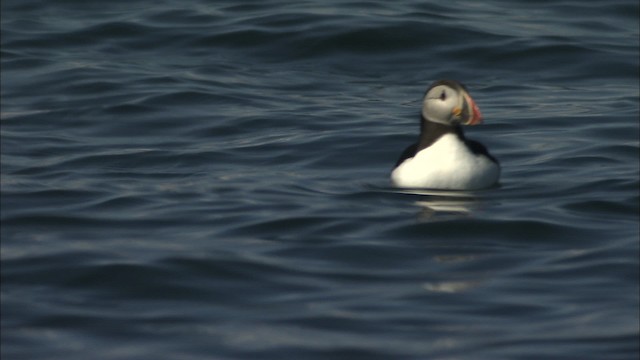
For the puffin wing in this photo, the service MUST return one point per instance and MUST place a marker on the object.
(479, 149)
(409, 152)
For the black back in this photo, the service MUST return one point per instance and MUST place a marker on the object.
(430, 132)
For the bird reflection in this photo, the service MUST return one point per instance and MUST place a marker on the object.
(444, 205)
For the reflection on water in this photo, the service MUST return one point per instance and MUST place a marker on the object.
(450, 287)
(443, 204)
(457, 285)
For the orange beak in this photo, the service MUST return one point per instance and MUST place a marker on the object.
(475, 117)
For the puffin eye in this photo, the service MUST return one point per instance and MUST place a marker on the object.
(443, 96)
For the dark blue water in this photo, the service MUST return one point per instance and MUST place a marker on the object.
(209, 180)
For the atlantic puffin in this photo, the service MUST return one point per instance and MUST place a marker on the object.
(443, 158)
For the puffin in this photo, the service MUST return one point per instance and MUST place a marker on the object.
(443, 158)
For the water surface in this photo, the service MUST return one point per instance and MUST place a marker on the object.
(194, 180)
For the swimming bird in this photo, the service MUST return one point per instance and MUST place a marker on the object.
(443, 158)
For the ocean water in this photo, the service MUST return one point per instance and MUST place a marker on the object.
(210, 180)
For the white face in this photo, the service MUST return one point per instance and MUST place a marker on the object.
(439, 104)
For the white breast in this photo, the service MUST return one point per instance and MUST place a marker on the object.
(446, 164)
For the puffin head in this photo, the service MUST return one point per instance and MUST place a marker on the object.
(448, 102)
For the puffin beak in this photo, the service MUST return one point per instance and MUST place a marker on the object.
(474, 115)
